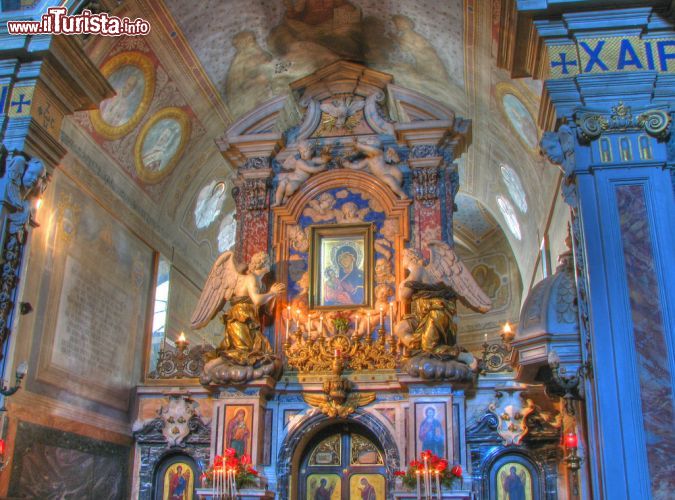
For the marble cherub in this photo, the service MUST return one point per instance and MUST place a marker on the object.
(381, 165)
(298, 168)
(244, 353)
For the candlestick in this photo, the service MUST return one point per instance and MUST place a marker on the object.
(417, 477)
(438, 485)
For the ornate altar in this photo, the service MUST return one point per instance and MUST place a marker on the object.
(339, 362)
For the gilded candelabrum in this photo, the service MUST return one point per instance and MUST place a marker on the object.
(180, 362)
(360, 352)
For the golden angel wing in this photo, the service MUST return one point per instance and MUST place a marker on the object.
(314, 399)
(446, 266)
(358, 399)
(219, 287)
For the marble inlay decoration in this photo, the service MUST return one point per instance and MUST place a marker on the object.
(651, 349)
(48, 463)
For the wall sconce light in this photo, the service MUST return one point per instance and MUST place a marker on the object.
(21, 371)
(182, 342)
(571, 442)
(507, 334)
(572, 459)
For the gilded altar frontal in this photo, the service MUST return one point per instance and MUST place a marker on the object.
(337, 249)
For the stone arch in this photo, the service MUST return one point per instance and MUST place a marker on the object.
(293, 444)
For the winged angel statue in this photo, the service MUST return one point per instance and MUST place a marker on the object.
(430, 332)
(244, 353)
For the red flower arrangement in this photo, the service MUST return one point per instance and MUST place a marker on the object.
(436, 465)
(244, 473)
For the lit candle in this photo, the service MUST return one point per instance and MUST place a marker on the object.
(357, 324)
(297, 319)
(381, 316)
(486, 338)
(321, 325)
(288, 320)
(391, 317)
(369, 330)
(309, 323)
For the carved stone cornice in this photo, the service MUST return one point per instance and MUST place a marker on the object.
(591, 124)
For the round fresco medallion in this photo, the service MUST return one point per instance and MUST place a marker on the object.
(514, 186)
(161, 143)
(132, 75)
(518, 115)
(509, 215)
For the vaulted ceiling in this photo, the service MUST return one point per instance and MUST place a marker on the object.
(226, 57)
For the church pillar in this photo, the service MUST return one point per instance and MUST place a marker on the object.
(42, 80)
(425, 165)
(611, 88)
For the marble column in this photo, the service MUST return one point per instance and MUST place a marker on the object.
(611, 88)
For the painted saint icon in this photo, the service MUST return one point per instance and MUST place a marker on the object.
(367, 487)
(178, 482)
(343, 276)
(323, 487)
(431, 433)
(238, 432)
(514, 482)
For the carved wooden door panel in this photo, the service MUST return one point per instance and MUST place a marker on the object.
(343, 464)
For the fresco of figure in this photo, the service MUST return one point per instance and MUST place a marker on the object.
(381, 166)
(427, 63)
(249, 77)
(298, 168)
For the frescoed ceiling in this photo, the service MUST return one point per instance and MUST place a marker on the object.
(228, 57)
(252, 49)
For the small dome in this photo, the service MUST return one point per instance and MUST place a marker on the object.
(548, 321)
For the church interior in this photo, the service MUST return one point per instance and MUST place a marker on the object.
(339, 249)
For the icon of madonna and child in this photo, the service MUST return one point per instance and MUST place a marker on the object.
(343, 281)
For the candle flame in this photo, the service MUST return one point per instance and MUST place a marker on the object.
(506, 328)
(181, 337)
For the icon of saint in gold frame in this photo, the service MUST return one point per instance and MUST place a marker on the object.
(340, 264)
